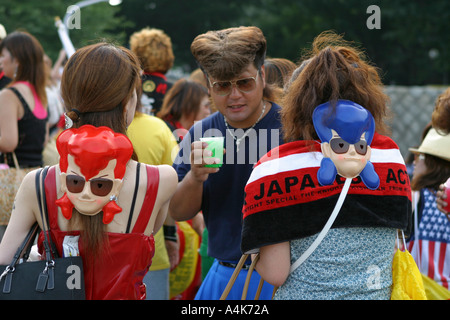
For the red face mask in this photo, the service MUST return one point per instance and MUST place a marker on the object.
(92, 162)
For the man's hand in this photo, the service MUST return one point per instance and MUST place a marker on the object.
(199, 172)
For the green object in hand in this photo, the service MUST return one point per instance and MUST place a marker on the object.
(215, 145)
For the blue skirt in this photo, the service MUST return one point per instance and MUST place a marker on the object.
(218, 277)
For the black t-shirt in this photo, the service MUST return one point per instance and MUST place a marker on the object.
(154, 87)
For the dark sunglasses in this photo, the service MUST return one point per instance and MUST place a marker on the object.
(340, 146)
(100, 187)
(223, 88)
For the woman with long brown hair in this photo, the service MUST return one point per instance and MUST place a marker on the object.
(288, 202)
(98, 88)
(23, 104)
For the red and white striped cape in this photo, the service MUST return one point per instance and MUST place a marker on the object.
(284, 200)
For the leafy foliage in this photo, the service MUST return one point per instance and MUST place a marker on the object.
(411, 48)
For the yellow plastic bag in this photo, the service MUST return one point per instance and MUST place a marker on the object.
(182, 276)
(433, 290)
(406, 278)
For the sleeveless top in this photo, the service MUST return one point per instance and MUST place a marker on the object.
(32, 131)
(118, 272)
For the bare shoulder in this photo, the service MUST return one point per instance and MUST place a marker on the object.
(167, 176)
(26, 206)
(166, 171)
(6, 93)
(168, 180)
(8, 98)
(29, 181)
(27, 191)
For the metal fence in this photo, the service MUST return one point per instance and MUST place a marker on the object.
(412, 108)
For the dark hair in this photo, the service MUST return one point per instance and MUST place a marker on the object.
(183, 98)
(27, 50)
(437, 172)
(333, 70)
(224, 54)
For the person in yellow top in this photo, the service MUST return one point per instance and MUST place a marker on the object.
(155, 144)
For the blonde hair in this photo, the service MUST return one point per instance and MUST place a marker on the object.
(154, 49)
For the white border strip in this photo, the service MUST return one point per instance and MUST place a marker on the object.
(312, 159)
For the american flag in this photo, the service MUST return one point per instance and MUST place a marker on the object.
(431, 250)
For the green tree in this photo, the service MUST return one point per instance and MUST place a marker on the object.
(98, 21)
(181, 20)
(410, 31)
(411, 48)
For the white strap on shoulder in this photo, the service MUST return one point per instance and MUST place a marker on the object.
(327, 227)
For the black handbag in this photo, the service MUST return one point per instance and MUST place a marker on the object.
(55, 278)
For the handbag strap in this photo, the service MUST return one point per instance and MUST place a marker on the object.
(34, 231)
(24, 249)
(235, 274)
(248, 278)
(327, 227)
(416, 250)
(16, 163)
(14, 158)
(399, 245)
(48, 244)
(233, 277)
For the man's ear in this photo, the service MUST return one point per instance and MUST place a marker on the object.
(326, 149)
(263, 75)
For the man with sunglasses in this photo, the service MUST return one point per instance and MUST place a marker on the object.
(232, 61)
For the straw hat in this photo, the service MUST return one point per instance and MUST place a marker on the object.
(435, 144)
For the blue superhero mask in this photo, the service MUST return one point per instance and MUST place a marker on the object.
(346, 132)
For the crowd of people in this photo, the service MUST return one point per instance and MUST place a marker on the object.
(175, 226)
